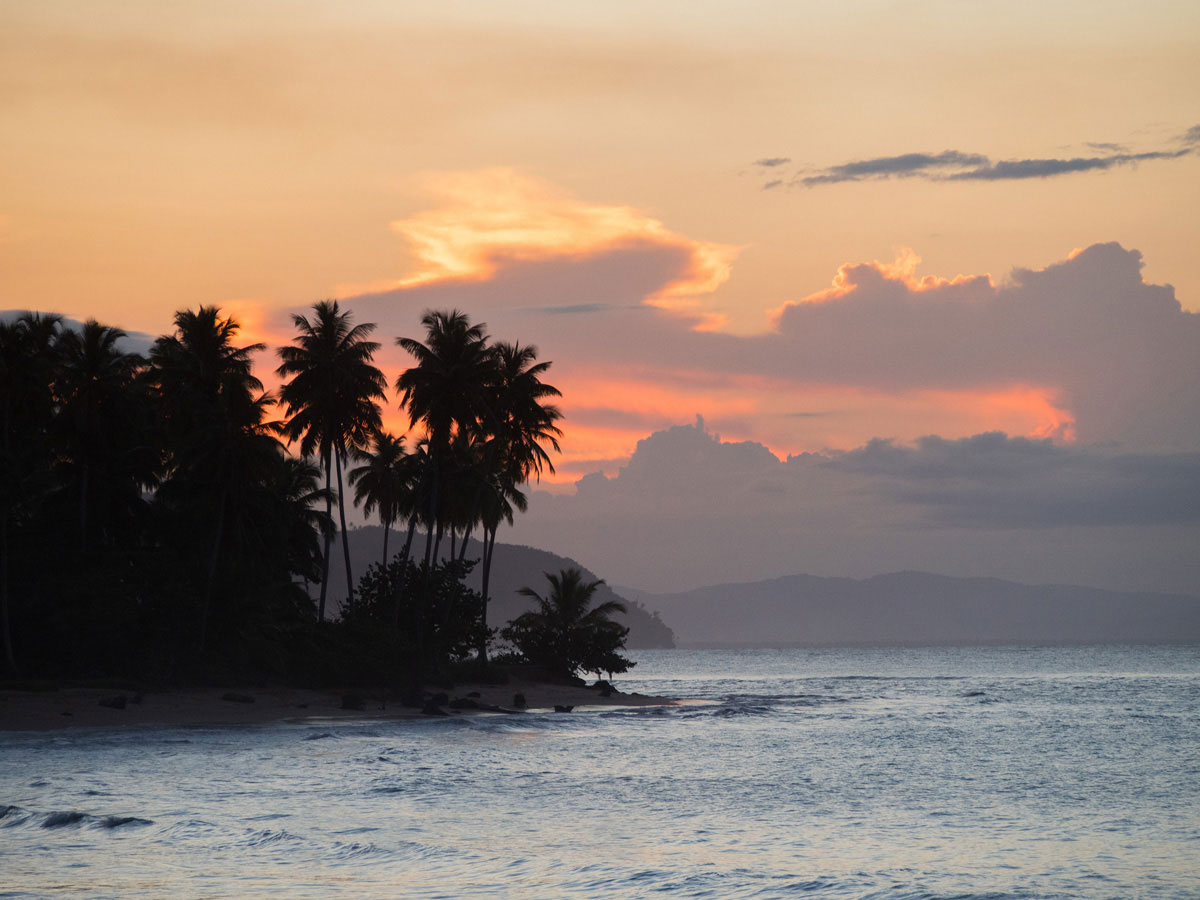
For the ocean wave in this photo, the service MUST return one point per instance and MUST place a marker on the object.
(12, 816)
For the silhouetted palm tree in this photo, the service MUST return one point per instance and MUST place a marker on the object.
(384, 482)
(26, 412)
(102, 424)
(566, 632)
(446, 392)
(219, 440)
(332, 400)
(522, 425)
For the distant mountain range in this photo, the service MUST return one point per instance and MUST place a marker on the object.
(918, 608)
(513, 567)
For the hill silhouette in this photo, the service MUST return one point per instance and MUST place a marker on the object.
(919, 608)
(515, 566)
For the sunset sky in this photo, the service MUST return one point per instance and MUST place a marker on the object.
(816, 225)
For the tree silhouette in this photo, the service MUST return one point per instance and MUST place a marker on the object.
(332, 400)
(26, 413)
(101, 426)
(385, 482)
(446, 392)
(219, 440)
(566, 633)
(522, 424)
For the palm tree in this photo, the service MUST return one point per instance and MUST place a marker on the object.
(446, 392)
(219, 440)
(26, 412)
(332, 400)
(522, 425)
(102, 422)
(384, 482)
(565, 632)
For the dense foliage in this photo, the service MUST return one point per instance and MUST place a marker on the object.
(566, 634)
(154, 523)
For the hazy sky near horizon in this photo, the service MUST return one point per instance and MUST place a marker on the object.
(814, 224)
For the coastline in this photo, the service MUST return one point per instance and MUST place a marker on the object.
(74, 707)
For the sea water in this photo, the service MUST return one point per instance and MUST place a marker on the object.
(851, 773)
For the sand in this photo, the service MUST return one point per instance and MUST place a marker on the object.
(85, 707)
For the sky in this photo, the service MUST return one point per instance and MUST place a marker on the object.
(927, 269)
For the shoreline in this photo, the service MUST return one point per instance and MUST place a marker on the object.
(101, 708)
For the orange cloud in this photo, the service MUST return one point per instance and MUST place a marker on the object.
(903, 270)
(486, 218)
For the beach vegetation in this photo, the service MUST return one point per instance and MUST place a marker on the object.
(565, 633)
(165, 517)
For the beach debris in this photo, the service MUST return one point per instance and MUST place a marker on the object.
(233, 697)
(117, 702)
(464, 703)
(519, 700)
(559, 708)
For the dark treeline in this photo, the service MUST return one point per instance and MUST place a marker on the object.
(156, 521)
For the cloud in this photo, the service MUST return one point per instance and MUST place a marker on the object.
(689, 509)
(996, 481)
(958, 165)
(494, 216)
(907, 165)
(1048, 168)
(1084, 350)
(771, 162)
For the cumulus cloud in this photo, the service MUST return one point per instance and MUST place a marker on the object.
(958, 165)
(1082, 350)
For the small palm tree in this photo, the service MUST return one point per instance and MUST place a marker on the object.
(384, 482)
(566, 633)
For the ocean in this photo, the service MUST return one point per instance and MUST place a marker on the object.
(882, 773)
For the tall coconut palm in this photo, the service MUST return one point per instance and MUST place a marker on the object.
(446, 392)
(102, 422)
(215, 409)
(332, 400)
(26, 411)
(384, 482)
(522, 427)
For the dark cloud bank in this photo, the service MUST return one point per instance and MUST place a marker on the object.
(956, 165)
(689, 509)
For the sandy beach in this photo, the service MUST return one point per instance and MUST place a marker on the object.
(103, 707)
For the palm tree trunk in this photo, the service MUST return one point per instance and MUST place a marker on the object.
(345, 537)
(10, 661)
(387, 530)
(83, 509)
(453, 544)
(412, 529)
(489, 547)
(433, 506)
(328, 538)
(213, 559)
